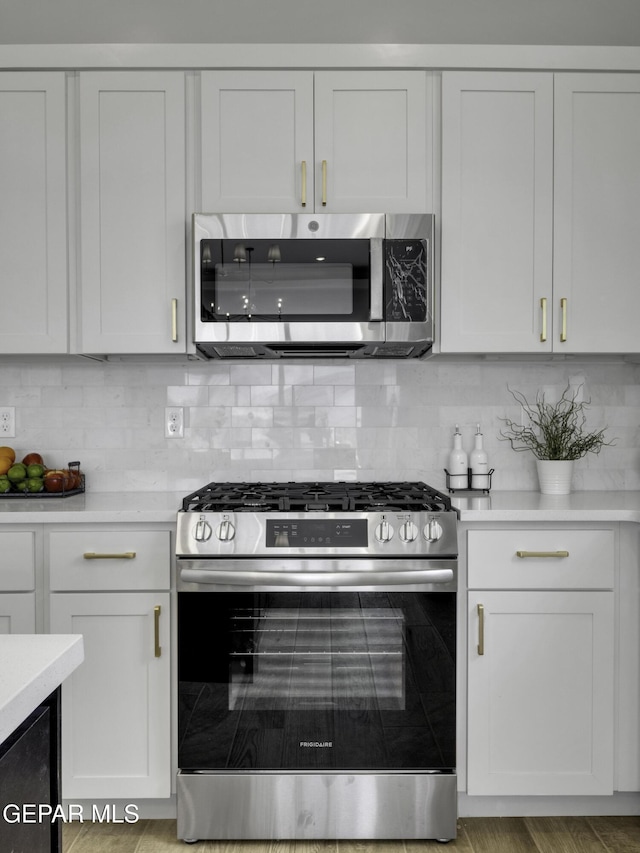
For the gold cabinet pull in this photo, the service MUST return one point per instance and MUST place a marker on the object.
(303, 194)
(157, 610)
(556, 554)
(543, 306)
(125, 555)
(174, 320)
(563, 309)
(481, 629)
(324, 183)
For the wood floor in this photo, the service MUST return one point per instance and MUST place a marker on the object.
(475, 835)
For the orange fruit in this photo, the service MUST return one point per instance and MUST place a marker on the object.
(5, 463)
(8, 451)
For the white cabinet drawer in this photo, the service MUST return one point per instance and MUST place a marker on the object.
(110, 560)
(18, 560)
(541, 559)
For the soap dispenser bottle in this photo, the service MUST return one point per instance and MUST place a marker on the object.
(479, 463)
(458, 463)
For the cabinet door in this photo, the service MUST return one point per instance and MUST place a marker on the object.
(17, 612)
(497, 205)
(371, 132)
(257, 141)
(132, 224)
(33, 213)
(540, 696)
(116, 708)
(597, 211)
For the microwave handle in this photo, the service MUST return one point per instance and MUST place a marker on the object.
(377, 279)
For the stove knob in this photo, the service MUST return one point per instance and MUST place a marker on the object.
(202, 531)
(226, 531)
(433, 531)
(408, 531)
(384, 532)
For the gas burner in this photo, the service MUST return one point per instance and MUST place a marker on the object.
(317, 497)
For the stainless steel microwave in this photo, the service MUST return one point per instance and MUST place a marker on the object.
(271, 286)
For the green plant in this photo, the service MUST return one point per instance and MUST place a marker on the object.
(555, 430)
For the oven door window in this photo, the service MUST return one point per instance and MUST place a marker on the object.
(312, 681)
(290, 280)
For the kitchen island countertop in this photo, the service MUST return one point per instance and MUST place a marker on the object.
(32, 666)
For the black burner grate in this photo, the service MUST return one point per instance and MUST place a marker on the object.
(319, 497)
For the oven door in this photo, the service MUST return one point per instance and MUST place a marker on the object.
(316, 680)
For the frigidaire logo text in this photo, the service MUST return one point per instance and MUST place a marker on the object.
(313, 744)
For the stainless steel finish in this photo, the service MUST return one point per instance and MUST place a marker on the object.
(272, 340)
(220, 575)
(377, 281)
(393, 550)
(287, 226)
(316, 806)
(250, 535)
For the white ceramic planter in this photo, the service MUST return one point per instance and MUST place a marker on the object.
(554, 476)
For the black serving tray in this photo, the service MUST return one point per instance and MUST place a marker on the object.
(65, 493)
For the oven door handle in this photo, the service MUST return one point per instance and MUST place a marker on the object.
(304, 579)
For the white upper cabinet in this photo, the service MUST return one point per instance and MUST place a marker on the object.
(286, 142)
(257, 141)
(371, 132)
(540, 212)
(597, 211)
(497, 206)
(132, 212)
(33, 213)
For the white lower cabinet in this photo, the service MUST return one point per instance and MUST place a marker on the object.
(116, 723)
(17, 583)
(540, 663)
(17, 612)
(115, 707)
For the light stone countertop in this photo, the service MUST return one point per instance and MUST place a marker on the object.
(161, 507)
(31, 667)
(93, 508)
(533, 506)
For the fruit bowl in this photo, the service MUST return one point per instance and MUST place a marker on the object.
(51, 482)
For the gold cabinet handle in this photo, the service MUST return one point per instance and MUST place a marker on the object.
(480, 629)
(303, 194)
(324, 183)
(556, 554)
(125, 555)
(174, 320)
(563, 309)
(543, 306)
(157, 610)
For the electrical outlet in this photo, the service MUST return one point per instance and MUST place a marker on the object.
(7, 422)
(174, 422)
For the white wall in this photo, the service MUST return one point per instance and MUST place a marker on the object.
(373, 420)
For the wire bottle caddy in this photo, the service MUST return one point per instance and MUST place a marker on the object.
(482, 483)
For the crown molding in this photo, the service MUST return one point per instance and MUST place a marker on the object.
(316, 56)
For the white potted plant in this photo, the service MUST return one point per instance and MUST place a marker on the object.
(556, 435)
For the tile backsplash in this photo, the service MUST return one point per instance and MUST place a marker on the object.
(298, 421)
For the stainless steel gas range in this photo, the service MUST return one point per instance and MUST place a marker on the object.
(316, 661)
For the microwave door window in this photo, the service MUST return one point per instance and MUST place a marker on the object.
(295, 280)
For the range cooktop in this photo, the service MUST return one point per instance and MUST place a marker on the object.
(317, 497)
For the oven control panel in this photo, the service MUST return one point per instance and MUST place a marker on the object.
(319, 533)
